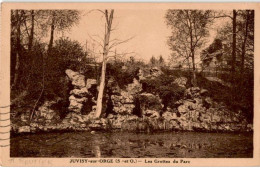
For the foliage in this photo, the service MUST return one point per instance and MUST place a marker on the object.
(151, 102)
(165, 87)
(225, 35)
(215, 46)
(242, 101)
(153, 60)
(62, 20)
(39, 71)
(242, 78)
(68, 54)
(157, 62)
(189, 30)
(124, 73)
(161, 60)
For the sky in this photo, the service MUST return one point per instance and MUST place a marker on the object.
(147, 28)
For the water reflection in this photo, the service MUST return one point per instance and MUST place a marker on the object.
(126, 145)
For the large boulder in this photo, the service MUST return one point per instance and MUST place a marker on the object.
(90, 83)
(204, 92)
(75, 106)
(134, 87)
(24, 129)
(169, 115)
(80, 92)
(192, 93)
(182, 109)
(181, 81)
(151, 114)
(77, 79)
(123, 103)
(123, 98)
(124, 109)
(98, 124)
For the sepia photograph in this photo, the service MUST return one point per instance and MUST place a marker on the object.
(131, 83)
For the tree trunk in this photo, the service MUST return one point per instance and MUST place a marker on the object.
(244, 46)
(101, 90)
(105, 53)
(18, 35)
(52, 35)
(194, 71)
(192, 50)
(32, 32)
(233, 66)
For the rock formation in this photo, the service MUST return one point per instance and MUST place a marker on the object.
(132, 109)
(79, 96)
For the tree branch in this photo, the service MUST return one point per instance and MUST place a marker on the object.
(119, 42)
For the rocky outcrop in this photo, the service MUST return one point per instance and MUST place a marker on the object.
(46, 113)
(132, 109)
(124, 100)
(77, 79)
(80, 95)
(195, 112)
(150, 105)
(199, 112)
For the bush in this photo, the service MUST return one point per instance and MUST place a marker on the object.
(163, 85)
(237, 97)
(123, 73)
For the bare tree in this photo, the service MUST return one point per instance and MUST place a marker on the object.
(189, 30)
(107, 47)
(108, 27)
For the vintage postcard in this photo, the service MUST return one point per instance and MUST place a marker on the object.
(130, 84)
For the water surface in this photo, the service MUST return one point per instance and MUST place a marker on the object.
(133, 145)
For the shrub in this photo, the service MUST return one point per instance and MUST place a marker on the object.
(163, 85)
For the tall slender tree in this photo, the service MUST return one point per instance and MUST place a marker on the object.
(31, 36)
(233, 65)
(189, 30)
(109, 15)
(107, 48)
(243, 53)
(18, 16)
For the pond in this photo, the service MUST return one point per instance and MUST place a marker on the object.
(133, 145)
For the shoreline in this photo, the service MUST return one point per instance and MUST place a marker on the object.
(93, 131)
